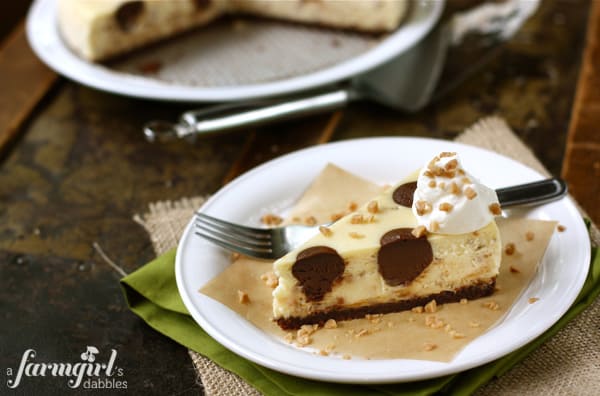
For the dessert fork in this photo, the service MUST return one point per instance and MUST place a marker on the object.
(272, 243)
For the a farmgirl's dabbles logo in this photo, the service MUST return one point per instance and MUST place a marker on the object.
(88, 373)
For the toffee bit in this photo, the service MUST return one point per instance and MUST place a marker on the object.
(330, 324)
(303, 340)
(510, 249)
(325, 231)
(423, 207)
(375, 319)
(445, 154)
(243, 297)
(373, 207)
(514, 270)
(271, 219)
(561, 228)
(446, 207)
(418, 309)
(356, 235)
(310, 220)
(336, 216)
(431, 184)
(454, 189)
(434, 226)
(358, 219)
(431, 164)
(533, 300)
(495, 209)
(433, 322)
(303, 335)
(529, 236)
(429, 346)
(352, 206)
(270, 279)
(493, 305)
(451, 165)
(362, 333)
(431, 307)
(470, 193)
(438, 324)
(419, 231)
(307, 329)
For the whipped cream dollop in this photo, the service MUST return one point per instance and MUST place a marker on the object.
(449, 200)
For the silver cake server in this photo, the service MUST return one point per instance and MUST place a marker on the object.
(406, 83)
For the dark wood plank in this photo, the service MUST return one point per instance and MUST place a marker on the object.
(279, 139)
(11, 14)
(24, 80)
(582, 157)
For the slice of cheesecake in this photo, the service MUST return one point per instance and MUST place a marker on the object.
(101, 29)
(383, 258)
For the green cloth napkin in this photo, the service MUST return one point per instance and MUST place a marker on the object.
(152, 294)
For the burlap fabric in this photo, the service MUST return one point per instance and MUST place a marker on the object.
(568, 364)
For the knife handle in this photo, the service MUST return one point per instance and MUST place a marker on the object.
(238, 115)
(534, 193)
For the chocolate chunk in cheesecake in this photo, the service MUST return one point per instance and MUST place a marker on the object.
(128, 14)
(403, 194)
(202, 5)
(402, 256)
(317, 268)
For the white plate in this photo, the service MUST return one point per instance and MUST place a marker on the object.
(277, 183)
(46, 41)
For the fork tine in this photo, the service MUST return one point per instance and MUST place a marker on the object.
(248, 231)
(257, 253)
(233, 238)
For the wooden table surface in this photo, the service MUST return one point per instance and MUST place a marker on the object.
(75, 169)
